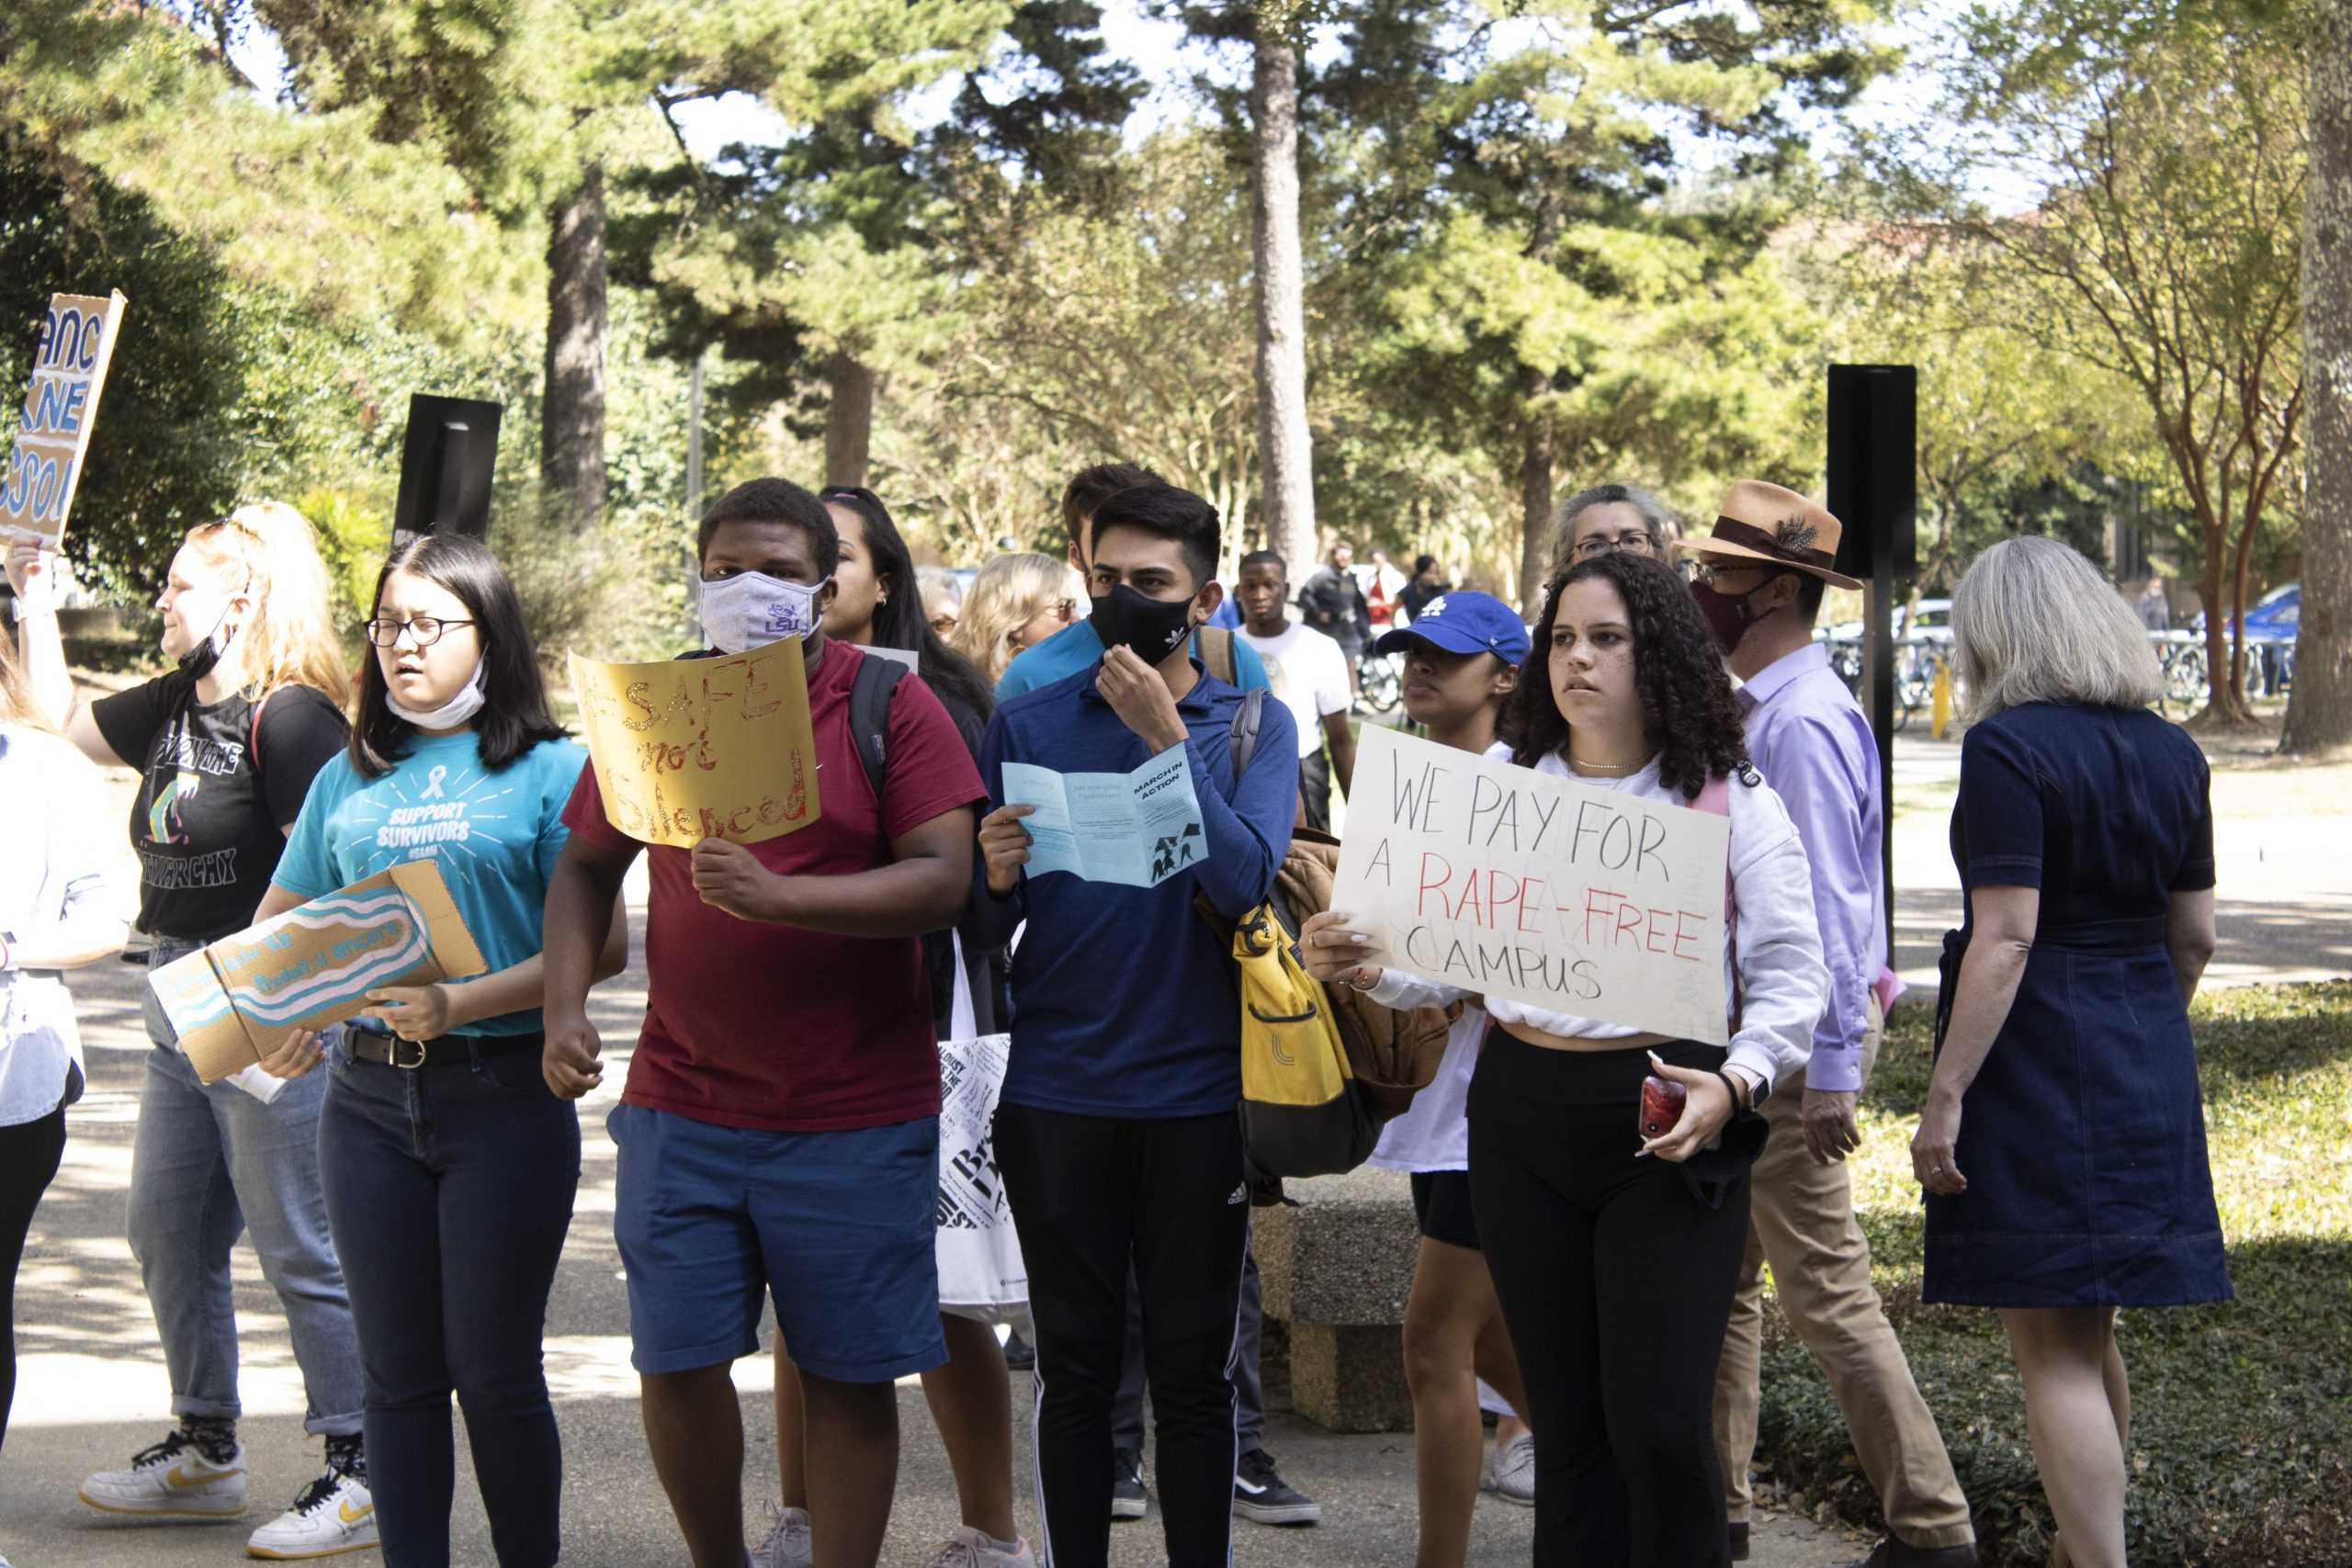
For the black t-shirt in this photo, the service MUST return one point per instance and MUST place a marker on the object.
(207, 824)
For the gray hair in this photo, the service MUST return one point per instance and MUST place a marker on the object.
(1656, 518)
(2034, 622)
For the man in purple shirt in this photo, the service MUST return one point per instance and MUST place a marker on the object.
(1761, 574)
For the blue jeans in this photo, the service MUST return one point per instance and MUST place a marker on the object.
(209, 1163)
(451, 1189)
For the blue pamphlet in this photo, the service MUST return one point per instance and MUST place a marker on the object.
(1139, 828)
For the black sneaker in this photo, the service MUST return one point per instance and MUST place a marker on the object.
(1129, 1499)
(1262, 1496)
(1019, 1354)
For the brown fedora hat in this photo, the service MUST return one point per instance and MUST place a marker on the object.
(1764, 522)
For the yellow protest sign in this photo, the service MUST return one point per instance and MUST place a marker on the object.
(70, 362)
(695, 749)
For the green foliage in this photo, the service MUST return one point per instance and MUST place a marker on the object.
(2241, 1413)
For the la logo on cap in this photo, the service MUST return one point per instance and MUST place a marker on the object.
(1433, 609)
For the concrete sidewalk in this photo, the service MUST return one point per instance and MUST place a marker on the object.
(92, 1390)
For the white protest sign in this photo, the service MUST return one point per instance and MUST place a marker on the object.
(61, 405)
(1556, 894)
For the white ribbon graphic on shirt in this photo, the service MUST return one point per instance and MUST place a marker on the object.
(432, 784)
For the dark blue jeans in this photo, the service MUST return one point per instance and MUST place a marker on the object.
(450, 1191)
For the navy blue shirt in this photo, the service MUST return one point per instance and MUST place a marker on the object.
(1123, 999)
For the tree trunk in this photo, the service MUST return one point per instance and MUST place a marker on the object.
(1286, 445)
(2225, 700)
(571, 416)
(1535, 513)
(2319, 709)
(849, 420)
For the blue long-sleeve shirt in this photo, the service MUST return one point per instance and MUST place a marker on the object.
(1123, 999)
(1809, 740)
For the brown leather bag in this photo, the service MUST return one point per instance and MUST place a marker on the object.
(1393, 1055)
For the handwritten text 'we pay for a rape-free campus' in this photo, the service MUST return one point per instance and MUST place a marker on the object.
(1498, 878)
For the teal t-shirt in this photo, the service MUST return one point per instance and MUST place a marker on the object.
(495, 835)
(1075, 647)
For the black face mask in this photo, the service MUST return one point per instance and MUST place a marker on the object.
(1152, 628)
(197, 661)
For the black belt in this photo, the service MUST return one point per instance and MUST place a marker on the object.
(442, 1051)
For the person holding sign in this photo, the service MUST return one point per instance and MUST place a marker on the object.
(875, 603)
(61, 906)
(227, 744)
(449, 1163)
(1613, 1253)
(1117, 1135)
(1762, 571)
(1463, 654)
(779, 1132)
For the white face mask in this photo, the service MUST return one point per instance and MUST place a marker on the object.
(457, 710)
(751, 609)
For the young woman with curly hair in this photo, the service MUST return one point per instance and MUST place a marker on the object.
(1614, 1257)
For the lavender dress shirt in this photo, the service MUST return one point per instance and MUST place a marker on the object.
(1808, 737)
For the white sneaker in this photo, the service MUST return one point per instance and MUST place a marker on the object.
(969, 1548)
(786, 1544)
(333, 1514)
(171, 1481)
(1510, 1471)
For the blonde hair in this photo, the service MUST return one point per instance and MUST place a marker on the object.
(1010, 593)
(2034, 622)
(288, 638)
(17, 704)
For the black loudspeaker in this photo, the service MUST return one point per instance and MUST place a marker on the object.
(1874, 465)
(445, 463)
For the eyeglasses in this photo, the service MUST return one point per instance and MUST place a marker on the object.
(1591, 545)
(1708, 571)
(424, 630)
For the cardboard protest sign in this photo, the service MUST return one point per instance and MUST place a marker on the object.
(695, 749)
(237, 1001)
(1556, 894)
(61, 407)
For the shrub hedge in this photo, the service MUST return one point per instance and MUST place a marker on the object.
(2241, 1451)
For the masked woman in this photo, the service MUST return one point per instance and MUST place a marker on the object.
(226, 744)
(449, 1163)
(1614, 1255)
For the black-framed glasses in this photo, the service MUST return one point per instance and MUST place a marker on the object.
(1590, 546)
(424, 630)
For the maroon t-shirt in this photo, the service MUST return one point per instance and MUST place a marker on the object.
(774, 1027)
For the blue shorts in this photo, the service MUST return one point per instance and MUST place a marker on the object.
(839, 1227)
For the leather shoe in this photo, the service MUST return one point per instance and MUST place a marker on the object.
(1894, 1554)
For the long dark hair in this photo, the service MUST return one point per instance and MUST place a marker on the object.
(1688, 711)
(900, 621)
(515, 715)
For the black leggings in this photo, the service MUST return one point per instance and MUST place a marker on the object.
(1092, 1196)
(1615, 1278)
(29, 1156)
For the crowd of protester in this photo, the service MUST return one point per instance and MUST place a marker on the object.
(409, 1179)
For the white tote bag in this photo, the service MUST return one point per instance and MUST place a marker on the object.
(981, 1275)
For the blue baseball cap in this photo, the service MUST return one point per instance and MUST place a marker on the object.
(1463, 621)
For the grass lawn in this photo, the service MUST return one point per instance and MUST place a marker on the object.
(2242, 1415)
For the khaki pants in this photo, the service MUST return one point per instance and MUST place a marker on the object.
(1802, 1223)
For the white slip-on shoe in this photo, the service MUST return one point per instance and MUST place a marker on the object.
(334, 1514)
(172, 1479)
(1510, 1471)
(969, 1548)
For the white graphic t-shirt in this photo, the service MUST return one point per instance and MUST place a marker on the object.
(1309, 673)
